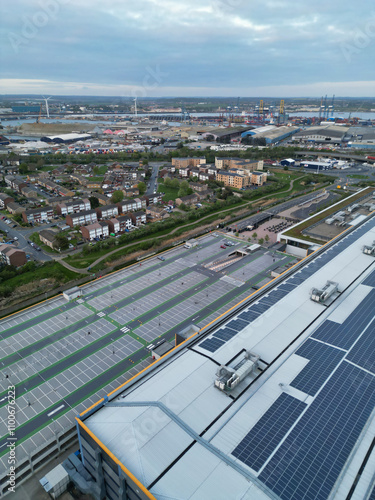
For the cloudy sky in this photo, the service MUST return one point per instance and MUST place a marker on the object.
(188, 48)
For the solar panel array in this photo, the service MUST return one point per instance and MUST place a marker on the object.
(363, 353)
(212, 344)
(258, 445)
(309, 461)
(370, 280)
(372, 495)
(344, 335)
(278, 293)
(322, 361)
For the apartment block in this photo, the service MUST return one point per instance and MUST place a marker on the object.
(232, 179)
(82, 218)
(107, 211)
(12, 256)
(72, 207)
(38, 214)
(96, 230)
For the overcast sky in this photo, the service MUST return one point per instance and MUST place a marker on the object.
(278, 48)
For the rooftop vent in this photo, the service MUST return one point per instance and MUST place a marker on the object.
(369, 249)
(325, 293)
(229, 377)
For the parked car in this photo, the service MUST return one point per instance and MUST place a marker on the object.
(14, 225)
(223, 246)
(161, 257)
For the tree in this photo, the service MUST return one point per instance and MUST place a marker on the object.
(175, 183)
(62, 241)
(141, 187)
(118, 196)
(267, 238)
(23, 168)
(255, 236)
(94, 202)
(261, 241)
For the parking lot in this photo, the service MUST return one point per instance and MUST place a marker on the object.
(63, 356)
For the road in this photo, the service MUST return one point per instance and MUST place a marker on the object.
(153, 181)
(22, 235)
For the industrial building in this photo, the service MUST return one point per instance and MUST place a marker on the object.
(225, 134)
(333, 134)
(65, 138)
(270, 133)
(273, 400)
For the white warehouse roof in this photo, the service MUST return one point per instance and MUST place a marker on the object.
(300, 426)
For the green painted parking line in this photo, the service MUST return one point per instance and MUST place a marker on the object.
(19, 441)
(47, 337)
(92, 308)
(29, 319)
(165, 302)
(64, 359)
(139, 339)
(208, 314)
(133, 278)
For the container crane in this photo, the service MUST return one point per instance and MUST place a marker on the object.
(261, 107)
(40, 114)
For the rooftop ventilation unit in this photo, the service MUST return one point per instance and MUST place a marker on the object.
(369, 249)
(325, 293)
(229, 377)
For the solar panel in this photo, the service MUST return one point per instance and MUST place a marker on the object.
(212, 344)
(279, 293)
(287, 286)
(370, 280)
(237, 324)
(249, 316)
(258, 445)
(372, 495)
(346, 334)
(322, 361)
(225, 334)
(313, 455)
(363, 353)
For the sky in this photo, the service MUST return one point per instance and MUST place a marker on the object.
(156, 48)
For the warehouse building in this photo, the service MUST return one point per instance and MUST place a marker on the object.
(65, 138)
(270, 133)
(273, 400)
(225, 134)
(333, 134)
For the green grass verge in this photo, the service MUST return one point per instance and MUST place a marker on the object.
(47, 270)
(170, 193)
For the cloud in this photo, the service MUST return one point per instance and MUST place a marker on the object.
(352, 88)
(199, 44)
